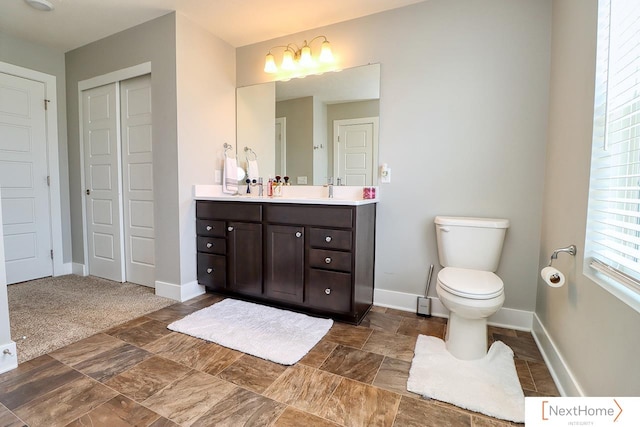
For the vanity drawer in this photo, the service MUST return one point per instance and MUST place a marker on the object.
(314, 215)
(212, 245)
(212, 270)
(330, 260)
(206, 227)
(329, 290)
(239, 211)
(330, 239)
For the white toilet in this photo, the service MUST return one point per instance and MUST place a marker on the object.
(469, 250)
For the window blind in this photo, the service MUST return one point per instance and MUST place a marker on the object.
(613, 220)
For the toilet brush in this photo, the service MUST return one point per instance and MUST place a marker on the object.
(424, 303)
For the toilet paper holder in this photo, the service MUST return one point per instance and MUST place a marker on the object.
(571, 250)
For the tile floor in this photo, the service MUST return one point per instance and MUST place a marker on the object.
(142, 374)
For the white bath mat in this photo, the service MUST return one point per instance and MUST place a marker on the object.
(489, 385)
(269, 333)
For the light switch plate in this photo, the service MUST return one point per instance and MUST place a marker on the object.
(301, 180)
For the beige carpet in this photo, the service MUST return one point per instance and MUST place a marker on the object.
(56, 311)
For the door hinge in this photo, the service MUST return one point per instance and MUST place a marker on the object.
(51, 253)
(49, 180)
(46, 101)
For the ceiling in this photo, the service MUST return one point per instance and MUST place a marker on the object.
(74, 23)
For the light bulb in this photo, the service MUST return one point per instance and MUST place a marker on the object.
(270, 64)
(305, 57)
(326, 55)
(287, 61)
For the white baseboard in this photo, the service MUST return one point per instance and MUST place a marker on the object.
(79, 269)
(64, 269)
(505, 317)
(559, 369)
(8, 361)
(179, 292)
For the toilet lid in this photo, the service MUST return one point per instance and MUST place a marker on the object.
(470, 283)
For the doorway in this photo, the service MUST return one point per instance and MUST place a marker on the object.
(355, 150)
(118, 180)
(29, 174)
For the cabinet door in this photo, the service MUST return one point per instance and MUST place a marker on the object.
(244, 257)
(285, 263)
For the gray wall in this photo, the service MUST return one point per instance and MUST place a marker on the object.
(596, 334)
(46, 60)
(153, 41)
(299, 114)
(463, 119)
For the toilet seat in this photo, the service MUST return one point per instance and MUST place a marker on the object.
(472, 284)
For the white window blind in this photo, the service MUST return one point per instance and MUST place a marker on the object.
(613, 221)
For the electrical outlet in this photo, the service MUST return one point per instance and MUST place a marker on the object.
(301, 180)
(385, 174)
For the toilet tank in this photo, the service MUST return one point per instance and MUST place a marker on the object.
(474, 243)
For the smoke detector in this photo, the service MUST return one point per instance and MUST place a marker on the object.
(43, 5)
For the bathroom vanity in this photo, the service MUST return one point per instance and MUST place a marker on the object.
(307, 253)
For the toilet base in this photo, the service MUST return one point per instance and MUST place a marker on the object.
(466, 339)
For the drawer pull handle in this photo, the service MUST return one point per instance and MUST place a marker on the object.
(209, 228)
(229, 228)
(328, 239)
(327, 260)
(327, 291)
(209, 244)
(298, 234)
(209, 270)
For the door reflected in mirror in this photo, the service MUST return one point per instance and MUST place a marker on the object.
(314, 128)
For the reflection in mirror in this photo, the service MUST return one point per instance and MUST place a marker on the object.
(313, 128)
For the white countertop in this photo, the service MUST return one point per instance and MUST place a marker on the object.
(302, 194)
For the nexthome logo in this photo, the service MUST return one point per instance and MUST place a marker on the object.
(582, 411)
(550, 410)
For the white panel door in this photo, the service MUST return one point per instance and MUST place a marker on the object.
(23, 179)
(100, 107)
(137, 180)
(354, 151)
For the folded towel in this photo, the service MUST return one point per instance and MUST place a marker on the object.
(230, 176)
(252, 169)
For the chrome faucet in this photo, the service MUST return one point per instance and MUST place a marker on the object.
(330, 186)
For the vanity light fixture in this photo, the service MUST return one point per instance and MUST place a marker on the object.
(296, 58)
(42, 5)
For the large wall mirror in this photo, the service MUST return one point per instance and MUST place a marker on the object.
(313, 128)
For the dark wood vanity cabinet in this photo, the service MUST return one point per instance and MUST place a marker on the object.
(313, 258)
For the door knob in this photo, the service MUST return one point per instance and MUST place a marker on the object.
(328, 239)
(209, 270)
(209, 244)
(327, 260)
(298, 234)
(209, 228)
(327, 291)
(229, 228)
(88, 192)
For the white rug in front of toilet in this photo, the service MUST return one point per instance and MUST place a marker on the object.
(489, 385)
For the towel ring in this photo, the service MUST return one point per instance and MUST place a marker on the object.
(227, 149)
(248, 152)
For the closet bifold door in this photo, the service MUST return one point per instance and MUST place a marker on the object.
(118, 181)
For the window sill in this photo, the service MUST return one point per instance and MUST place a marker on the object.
(620, 291)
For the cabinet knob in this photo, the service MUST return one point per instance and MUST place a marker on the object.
(209, 228)
(298, 234)
(209, 244)
(327, 291)
(327, 260)
(229, 228)
(209, 270)
(328, 239)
